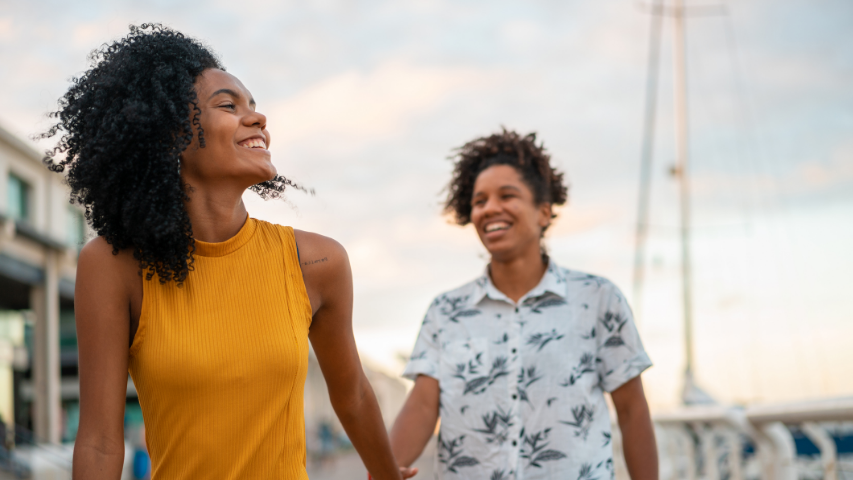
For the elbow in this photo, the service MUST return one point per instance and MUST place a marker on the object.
(99, 450)
(348, 402)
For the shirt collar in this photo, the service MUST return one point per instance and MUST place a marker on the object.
(552, 282)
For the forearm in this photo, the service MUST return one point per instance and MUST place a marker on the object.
(362, 420)
(412, 430)
(99, 460)
(638, 445)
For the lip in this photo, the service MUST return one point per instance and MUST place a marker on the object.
(496, 234)
(259, 137)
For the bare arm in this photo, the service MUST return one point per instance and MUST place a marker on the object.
(638, 436)
(328, 279)
(416, 422)
(102, 312)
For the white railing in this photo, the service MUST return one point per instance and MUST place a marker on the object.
(718, 432)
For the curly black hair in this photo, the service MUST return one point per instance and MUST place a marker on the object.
(124, 124)
(531, 161)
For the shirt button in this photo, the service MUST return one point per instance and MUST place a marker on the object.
(516, 309)
(513, 350)
(515, 397)
(514, 443)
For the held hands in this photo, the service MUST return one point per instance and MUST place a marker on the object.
(408, 472)
(404, 472)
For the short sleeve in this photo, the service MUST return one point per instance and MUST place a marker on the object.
(621, 355)
(425, 355)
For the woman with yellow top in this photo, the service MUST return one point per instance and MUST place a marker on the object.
(208, 309)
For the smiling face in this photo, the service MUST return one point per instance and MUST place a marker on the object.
(505, 214)
(236, 139)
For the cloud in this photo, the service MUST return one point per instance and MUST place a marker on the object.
(355, 106)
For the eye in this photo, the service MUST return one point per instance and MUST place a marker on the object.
(229, 106)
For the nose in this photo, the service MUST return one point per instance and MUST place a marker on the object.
(255, 119)
(492, 206)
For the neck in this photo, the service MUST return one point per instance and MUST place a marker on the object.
(517, 275)
(215, 215)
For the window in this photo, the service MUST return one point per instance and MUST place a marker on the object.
(76, 227)
(19, 198)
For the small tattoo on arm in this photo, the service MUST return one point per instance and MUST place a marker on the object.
(312, 262)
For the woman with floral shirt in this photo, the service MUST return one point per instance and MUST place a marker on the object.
(516, 362)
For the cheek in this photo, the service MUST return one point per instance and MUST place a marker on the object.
(530, 216)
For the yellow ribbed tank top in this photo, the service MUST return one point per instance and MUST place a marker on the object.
(219, 363)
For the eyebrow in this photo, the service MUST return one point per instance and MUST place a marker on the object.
(228, 91)
(503, 187)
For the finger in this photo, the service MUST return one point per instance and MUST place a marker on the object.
(408, 472)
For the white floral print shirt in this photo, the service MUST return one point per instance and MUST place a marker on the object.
(522, 384)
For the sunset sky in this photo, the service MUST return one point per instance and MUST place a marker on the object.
(366, 100)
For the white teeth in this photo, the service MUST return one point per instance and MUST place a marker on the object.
(254, 143)
(496, 226)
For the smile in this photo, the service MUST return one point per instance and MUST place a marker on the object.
(254, 142)
(496, 226)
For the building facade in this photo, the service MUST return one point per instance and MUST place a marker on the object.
(40, 235)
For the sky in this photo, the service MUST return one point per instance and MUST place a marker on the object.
(367, 99)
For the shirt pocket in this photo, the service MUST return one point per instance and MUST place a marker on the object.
(466, 367)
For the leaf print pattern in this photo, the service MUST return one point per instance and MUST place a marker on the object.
(454, 308)
(526, 377)
(419, 356)
(586, 472)
(559, 355)
(584, 415)
(496, 427)
(534, 449)
(586, 365)
(613, 322)
(542, 339)
(450, 454)
(588, 280)
(551, 301)
(464, 313)
(480, 383)
(501, 475)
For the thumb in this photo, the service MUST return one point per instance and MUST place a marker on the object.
(408, 472)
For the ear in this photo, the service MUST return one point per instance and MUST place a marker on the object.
(545, 214)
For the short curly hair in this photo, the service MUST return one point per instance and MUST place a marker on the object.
(124, 124)
(531, 161)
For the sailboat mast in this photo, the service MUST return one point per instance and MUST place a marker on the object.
(647, 155)
(681, 171)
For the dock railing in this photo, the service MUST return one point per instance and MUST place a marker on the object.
(711, 438)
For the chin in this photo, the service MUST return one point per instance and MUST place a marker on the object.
(266, 175)
(496, 250)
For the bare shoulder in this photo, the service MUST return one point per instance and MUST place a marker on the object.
(320, 254)
(97, 261)
(325, 269)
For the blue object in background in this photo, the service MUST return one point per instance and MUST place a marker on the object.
(141, 464)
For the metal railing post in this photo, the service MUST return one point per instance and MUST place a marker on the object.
(824, 443)
(709, 450)
(735, 457)
(784, 450)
